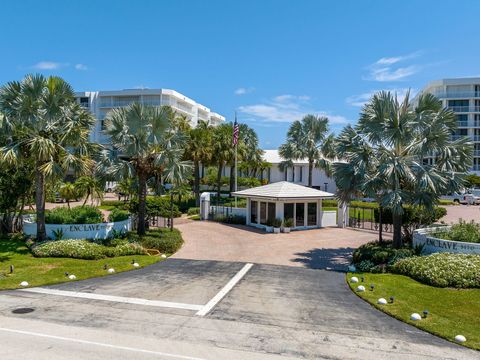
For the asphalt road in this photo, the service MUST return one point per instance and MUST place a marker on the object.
(272, 312)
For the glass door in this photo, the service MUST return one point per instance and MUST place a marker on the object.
(312, 214)
(299, 214)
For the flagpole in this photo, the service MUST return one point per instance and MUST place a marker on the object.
(236, 164)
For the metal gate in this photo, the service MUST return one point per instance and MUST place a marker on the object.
(367, 218)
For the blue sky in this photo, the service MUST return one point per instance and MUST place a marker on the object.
(271, 60)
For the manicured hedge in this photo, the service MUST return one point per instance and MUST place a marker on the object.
(442, 270)
(156, 206)
(84, 249)
(115, 203)
(76, 215)
(118, 215)
(378, 257)
(163, 240)
(193, 211)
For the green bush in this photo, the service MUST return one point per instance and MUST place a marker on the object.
(330, 203)
(193, 211)
(377, 257)
(115, 203)
(442, 270)
(118, 215)
(156, 206)
(463, 231)
(76, 215)
(163, 240)
(230, 219)
(85, 249)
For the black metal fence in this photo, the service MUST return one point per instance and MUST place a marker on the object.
(367, 218)
(152, 222)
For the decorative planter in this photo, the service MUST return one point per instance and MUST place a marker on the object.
(430, 244)
(78, 231)
(269, 229)
(286, 230)
(276, 230)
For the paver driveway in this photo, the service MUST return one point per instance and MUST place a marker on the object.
(316, 249)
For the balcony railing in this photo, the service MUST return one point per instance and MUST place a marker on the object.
(457, 94)
(476, 167)
(462, 123)
(85, 105)
(476, 152)
(464, 108)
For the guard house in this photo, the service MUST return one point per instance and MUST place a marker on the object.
(285, 200)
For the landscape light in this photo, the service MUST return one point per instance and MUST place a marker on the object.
(425, 313)
(66, 273)
(363, 279)
(11, 269)
(372, 287)
(392, 299)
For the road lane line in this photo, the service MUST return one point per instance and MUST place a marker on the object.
(118, 299)
(86, 342)
(225, 290)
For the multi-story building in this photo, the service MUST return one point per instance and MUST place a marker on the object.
(462, 96)
(101, 102)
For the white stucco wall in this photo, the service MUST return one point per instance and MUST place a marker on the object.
(79, 231)
(434, 245)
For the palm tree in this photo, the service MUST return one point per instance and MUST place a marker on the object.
(223, 150)
(144, 140)
(306, 139)
(89, 186)
(199, 151)
(385, 155)
(49, 129)
(69, 192)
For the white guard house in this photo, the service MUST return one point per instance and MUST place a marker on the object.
(286, 200)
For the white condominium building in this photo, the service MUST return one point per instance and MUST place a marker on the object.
(462, 96)
(101, 102)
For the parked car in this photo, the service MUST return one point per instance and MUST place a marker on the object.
(463, 198)
(110, 186)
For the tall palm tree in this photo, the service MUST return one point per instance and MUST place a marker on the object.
(223, 150)
(69, 192)
(199, 151)
(144, 140)
(49, 129)
(305, 140)
(89, 186)
(385, 155)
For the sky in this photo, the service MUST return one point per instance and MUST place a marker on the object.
(272, 61)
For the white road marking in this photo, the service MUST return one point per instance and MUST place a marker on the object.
(225, 290)
(119, 299)
(175, 356)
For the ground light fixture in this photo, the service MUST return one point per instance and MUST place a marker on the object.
(362, 278)
(392, 299)
(372, 287)
(425, 313)
(12, 268)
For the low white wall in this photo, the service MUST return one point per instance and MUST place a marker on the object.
(434, 245)
(79, 231)
(329, 218)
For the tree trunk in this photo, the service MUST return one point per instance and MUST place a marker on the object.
(310, 173)
(219, 179)
(142, 206)
(196, 182)
(380, 229)
(397, 231)
(40, 203)
(232, 179)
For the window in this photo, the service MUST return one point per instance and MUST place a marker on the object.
(312, 214)
(253, 212)
(286, 173)
(288, 211)
(293, 174)
(301, 173)
(263, 213)
(271, 211)
(300, 214)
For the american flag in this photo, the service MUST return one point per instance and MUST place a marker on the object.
(236, 131)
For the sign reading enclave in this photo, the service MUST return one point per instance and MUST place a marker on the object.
(433, 245)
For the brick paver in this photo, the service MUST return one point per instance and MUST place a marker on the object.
(318, 248)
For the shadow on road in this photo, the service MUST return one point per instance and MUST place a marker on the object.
(329, 259)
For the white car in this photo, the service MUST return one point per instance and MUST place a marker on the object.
(463, 198)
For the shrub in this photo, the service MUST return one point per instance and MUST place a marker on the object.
(277, 222)
(163, 240)
(84, 249)
(230, 219)
(118, 215)
(463, 231)
(330, 203)
(193, 211)
(288, 222)
(442, 269)
(156, 206)
(115, 203)
(375, 256)
(75, 215)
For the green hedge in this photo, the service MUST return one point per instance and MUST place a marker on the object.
(193, 211)
(163, 240)
(463, 231)
(118, 215)
(85, 249)
(442, 270)
(76, 215)
(115, 203)
(156, 206)
(378, 257)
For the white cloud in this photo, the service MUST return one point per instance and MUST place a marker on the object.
(287, 108)
(47, 65)
(387, 69)
(243, 91)
(362, 99)
(81, 67)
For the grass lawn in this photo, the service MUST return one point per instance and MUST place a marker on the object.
(451, 312)
(44, 271)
